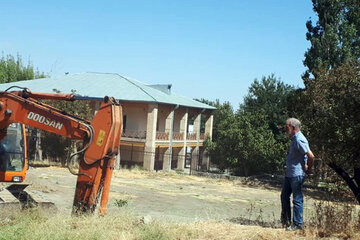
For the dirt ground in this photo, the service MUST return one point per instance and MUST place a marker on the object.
(170, 196)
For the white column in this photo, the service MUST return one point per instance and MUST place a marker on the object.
(209, 126)
(194, 158)
(197, 123)
(169, 127)
(149, 155)
(195, 153)
(167, 160)
(183, 130)
(208, 133)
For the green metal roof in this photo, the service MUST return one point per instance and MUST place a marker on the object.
(97, 85)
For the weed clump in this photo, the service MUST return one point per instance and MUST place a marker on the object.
(120, 202)
(335, 219)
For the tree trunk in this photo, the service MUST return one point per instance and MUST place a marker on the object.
(357, 168)
(349, 181)
(357, 176)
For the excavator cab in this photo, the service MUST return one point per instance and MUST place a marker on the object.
(13, 164)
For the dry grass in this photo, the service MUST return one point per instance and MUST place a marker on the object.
(37, 224)
(329, 221)
(341, 220)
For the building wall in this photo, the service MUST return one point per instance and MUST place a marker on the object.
(163, 113)
(136, 116)
(179, 113)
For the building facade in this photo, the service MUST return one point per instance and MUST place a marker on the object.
(157, 136)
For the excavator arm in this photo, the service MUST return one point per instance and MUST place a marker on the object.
(101, 139)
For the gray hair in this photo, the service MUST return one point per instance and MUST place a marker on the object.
(294, 122)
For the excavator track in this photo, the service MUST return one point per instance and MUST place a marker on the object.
(15, 196)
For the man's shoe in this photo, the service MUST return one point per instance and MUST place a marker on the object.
(285, 220)
(286, 225)
(293, 227)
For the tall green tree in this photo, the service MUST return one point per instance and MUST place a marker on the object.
(332, 81)
(243, 143)
(13, 69)
(333, 119)
(256, 149)
(251, 141)
(224, 120)
(335, 37)
(269, 96)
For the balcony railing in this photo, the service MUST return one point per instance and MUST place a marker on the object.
(178, 136)
(191, 136)
(162, 136)
(134, 134)
(166, 136)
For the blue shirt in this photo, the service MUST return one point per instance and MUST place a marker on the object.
(296, 158)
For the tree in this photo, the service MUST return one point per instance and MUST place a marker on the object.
(223, 121)
(334, 122)
(12, 69)
(243, 143)
(269, 96)
(251, 141)
(58, 147)
(331, 95)
(256, 149)
(335, 38)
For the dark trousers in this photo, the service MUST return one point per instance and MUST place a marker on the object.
(292, 185)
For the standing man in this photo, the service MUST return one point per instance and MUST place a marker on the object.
(298, 162)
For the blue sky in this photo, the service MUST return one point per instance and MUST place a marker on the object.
(208, 49)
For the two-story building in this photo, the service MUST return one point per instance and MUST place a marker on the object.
(161, 130)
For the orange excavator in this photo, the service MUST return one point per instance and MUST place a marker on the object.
(101, 141)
